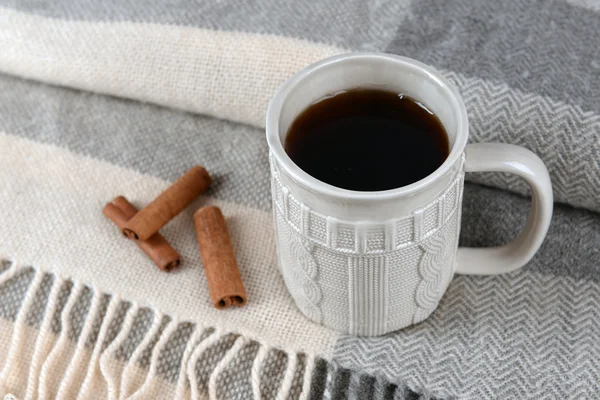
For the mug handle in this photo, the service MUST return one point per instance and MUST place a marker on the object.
(485, 157)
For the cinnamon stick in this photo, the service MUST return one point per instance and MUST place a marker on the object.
(168, 204)
(221, 269)
(156, 247)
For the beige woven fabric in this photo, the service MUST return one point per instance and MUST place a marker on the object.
(67, 211)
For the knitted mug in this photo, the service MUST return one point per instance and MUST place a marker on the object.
(368, 263)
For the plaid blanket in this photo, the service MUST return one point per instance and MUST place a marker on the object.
(85, 315)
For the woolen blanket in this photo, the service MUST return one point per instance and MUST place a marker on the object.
(86, 315)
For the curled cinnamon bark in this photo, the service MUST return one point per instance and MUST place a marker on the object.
(220, 266)
(168, 204)
(156, 247)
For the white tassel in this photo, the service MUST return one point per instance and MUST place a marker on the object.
(62, 339)
(401, 392)
(379, 388)
(145, 391)
(18, 325)
(256, 370)
(112, 384)
(331, 369)
(191, 366)
(308, 371)
(231, 353)
(354, 385)
(137, 352)
(191, 345)
(108, 317)
(288, 378)
(80, 350)
(41, 343)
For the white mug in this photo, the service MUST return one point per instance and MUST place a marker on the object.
(368, 263)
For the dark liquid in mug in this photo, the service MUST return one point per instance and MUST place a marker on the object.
(367, 140)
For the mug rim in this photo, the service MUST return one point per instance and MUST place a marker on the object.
(300, 176)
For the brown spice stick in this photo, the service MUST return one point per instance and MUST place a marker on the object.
(221, 269)
(156, 247)
(168, 204)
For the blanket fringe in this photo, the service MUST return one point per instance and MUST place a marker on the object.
(212, 382)
(79, 344)
(127, 372)
(42, 346)
(146, 388)
(183, 376)
(16, 339)
(191, 366)
(256, 371)
(61, 344)
(288, 378)
(79, 355)
(308, 371)
(109, 354)
(91, 372)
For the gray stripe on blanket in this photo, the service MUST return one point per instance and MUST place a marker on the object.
(544, 47)
(512, 336)
(149, 139)
(163, 143)
(565, 137)
(365, 25)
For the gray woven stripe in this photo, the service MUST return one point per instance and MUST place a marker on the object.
(508, 336)
(565, 137)
(544, 47)
(163, 143)
(366, 25)
(149, 139)
(505, 336)
(493, 217)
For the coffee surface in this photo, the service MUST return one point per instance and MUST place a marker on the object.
(367, 140)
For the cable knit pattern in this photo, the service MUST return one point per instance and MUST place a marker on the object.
(355, 277)
(430, 288)
(306, 275)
